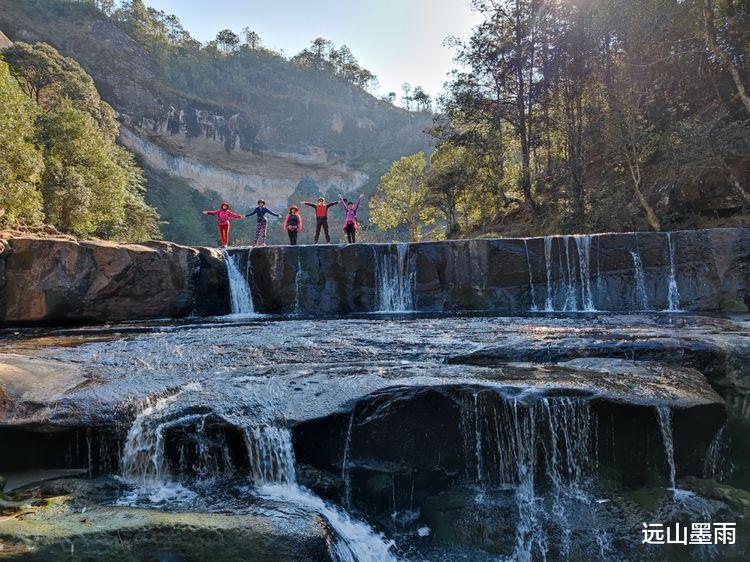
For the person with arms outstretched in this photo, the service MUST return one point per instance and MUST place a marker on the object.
(225, 215)
(350, 223)
(321, 217)
(261, 228)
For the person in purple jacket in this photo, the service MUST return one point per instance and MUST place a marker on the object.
(350, 223)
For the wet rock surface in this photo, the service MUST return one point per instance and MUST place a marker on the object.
(72, 519)
(225, 426)
(691, 270)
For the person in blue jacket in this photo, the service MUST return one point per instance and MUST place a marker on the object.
(261, 228)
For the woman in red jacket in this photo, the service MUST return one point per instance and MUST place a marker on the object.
(225, 215)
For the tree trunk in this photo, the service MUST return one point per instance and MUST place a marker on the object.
(710, 31)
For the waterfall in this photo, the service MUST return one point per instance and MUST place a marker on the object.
(583, 245)
(510, 439)
(549, 305)
(142, 459)
(673, 292)
(270, 455)
(395, 278)
(297, 283)
(639, 285)
(532, 292)
(574, 274)
(346, 477)
(712, 465)
(272, 458)
(272, 467)
(665, 424)
(239, 293)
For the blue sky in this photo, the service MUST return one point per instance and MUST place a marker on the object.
(397, 40)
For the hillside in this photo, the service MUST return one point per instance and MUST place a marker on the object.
(244, 126)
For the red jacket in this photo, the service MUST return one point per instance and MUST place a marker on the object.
(225, 215)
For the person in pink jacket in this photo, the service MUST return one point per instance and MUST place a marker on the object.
(350, 223)
(225, 215)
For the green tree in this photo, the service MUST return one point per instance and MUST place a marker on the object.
(227, 41)
(48, 78)
(90, 185)
(21, 162)
(401, 198)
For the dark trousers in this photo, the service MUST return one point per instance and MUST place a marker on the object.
(321, 222)
(292, 237)
(351, 233)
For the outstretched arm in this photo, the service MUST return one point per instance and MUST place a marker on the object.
(233, 215)
(270, 212)
(342, 202)
(356, 205)
(310, 204)
(254, 212)
(329, 205)
(210, 212)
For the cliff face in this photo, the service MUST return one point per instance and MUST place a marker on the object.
(690, 270)
(289, 123)
(52, 280)
(64, 280)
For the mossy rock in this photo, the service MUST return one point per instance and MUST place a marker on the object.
(735, 498)
(732, 306)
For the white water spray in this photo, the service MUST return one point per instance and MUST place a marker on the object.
(665, 424)
(532, 291)
(240, 298)
(639, 284)
(673, 292)
(395, 277)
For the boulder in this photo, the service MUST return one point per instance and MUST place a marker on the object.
(65, 280)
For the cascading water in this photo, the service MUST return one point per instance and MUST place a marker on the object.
(639, 285)
(574, 274)
(505, 436)
(272, 469)
(673, 292)
(713, 465)
(272, 464)
(583, 245)
(240, 298)
(395, 278)
(298, 284)
(664, 413)
(532, 291)
(345, 463)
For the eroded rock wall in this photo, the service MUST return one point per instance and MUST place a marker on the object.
(689, 270)
(66, 280)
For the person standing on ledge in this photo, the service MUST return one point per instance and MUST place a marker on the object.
(293, 224)
(225, 215)
(262, 227)
(350, 223)
(321, 217)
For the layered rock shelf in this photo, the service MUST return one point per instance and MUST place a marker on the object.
(65, 280)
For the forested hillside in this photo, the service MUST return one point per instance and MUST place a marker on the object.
(586, 116)
(229, 117)
(59, 163)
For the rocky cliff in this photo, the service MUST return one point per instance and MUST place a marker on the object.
(284, 124)
(691, 270)
(66, 280)
(53, 280)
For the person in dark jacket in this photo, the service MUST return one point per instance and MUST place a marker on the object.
(293, 224)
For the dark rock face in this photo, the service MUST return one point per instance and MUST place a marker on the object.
(690, 270)
(64, 280)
